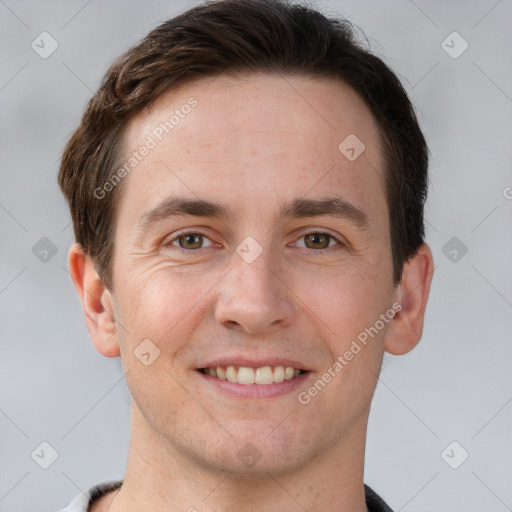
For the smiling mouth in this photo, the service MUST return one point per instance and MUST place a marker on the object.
(246, 375)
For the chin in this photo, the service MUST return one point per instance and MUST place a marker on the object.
(254, 452)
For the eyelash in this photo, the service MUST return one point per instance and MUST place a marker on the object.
(186, 233)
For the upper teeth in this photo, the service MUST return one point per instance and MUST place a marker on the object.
(245, 375)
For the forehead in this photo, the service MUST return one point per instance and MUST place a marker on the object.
(255, 141)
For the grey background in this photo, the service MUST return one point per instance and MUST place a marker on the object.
(455, 386)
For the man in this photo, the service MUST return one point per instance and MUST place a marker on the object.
(247, 191)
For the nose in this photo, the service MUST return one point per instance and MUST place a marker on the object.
(253, 297)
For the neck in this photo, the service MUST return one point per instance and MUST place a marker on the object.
(158, 478)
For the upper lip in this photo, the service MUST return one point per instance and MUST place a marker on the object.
(254, 363)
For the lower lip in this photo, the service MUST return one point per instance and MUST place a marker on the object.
(257, 391)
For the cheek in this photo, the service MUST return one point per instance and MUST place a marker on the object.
(346, 300)
(157, 323)
(163, 306)
(348, 307)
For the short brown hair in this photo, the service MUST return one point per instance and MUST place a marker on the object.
(248, 36)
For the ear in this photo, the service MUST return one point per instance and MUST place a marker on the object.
(406, 327)
(96, 301)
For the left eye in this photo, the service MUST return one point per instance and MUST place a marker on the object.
(318, 240)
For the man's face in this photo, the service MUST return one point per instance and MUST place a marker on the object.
(253, 288)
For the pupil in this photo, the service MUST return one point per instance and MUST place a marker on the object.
(193, 240)
(316, 238)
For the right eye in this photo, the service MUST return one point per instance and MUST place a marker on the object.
(188, 240)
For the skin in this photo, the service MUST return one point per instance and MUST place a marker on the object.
(251, 143)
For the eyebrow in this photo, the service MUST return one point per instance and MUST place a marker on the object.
(332, 206)
(298, 208)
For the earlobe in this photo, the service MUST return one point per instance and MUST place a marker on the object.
(406, 328)
(97, 302)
